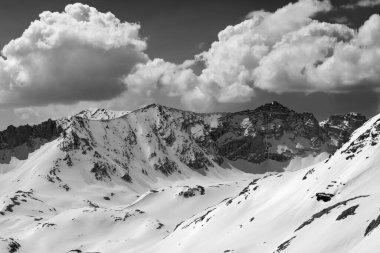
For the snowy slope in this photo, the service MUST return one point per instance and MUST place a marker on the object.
(329, 207)
(84, 190)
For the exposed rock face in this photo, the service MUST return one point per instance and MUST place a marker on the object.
(20, 141)
(349, 211)
(15, 136)
(340, 127)
(372, 225)
(271, 131)
(167, 167)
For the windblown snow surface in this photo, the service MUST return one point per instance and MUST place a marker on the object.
(88, 192)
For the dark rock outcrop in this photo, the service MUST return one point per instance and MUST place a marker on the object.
(16, 136)
(253, 135)
(284, 245)
(22, 140)
(167, 167)
(372, 225)
(191, 192)
(340, 127)
(101, 171)
(325, 197)
(327, 211)
(347, 212)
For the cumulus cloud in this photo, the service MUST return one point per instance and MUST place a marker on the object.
(84, 56)
(79, 54)
(228, 76)
(362, 3)
(161, 81)
(314, 56)
(232, 59)
(281, 52)
(323, 57)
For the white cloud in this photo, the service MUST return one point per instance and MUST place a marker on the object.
(281, 52)
(79, 54)
(323, 57)
(230, 62)
(362, 3)
(232, 59)
(292, 63)
(161, 81)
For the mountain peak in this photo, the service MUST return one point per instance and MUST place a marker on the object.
(100, 114)
(273, 107)
(154, 106)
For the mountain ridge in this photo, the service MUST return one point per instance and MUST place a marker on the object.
(163, 180)
(264, 113)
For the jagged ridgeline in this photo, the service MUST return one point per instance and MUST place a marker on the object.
(166, 139)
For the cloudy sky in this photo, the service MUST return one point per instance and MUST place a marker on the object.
(60, 57)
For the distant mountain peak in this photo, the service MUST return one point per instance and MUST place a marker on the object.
(273, 107)
(152, 105)
(100, 114)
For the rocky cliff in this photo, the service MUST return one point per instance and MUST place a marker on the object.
(271, 131)
(20, 141)
(340, 127)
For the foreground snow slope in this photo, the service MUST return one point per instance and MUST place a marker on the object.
(75, 211)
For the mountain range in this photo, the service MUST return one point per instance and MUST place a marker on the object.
(159, 179)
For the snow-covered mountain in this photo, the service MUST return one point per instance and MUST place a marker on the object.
(329, 207)
(271, 132)
(160, 179)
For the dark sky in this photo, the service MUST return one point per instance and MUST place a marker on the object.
(177, 30)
